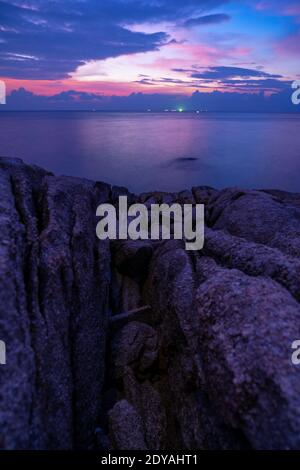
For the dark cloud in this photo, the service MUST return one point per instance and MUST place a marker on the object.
(55, 37)
(54, 42)
(242, 79)
(156, 81)
(222, 73)
(268, 84)
(206, 20)
(217, 101)
(214, 102)
(181, 70)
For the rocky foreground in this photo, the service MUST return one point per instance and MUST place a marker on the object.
(143, 345)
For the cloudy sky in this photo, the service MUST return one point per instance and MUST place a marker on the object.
(119, 47)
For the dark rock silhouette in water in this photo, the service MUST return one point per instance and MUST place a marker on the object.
(144, 345)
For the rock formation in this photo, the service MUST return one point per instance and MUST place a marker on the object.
(143, 345)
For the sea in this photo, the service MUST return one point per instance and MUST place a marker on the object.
(159, 151)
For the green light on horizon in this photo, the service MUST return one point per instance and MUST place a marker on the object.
(180, 110)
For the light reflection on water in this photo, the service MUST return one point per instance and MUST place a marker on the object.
(159, 151)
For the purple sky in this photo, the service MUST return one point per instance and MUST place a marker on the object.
(169, 49)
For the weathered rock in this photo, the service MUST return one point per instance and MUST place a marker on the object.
(131, 294)
(135, 346)
(259, 217)
(141, 314)
(17, 384)
(171, 289)
(254, 259)
(203, 194)
(185, 197)
(284, 196)
(54, 308)
(153, 347)
(117, 191)
(116, 294)
(132, 257)
(148, 402)
(144, 196)
(134, 354)
(167, 198)
(126, 428)
(157, 197)
(247, 327)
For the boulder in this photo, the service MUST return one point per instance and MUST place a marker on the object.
(247, 327)
(126, 429)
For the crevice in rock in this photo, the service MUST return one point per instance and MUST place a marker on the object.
(130, 345)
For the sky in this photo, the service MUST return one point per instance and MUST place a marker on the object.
(117, 53)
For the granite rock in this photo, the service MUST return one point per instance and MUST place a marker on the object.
(140, 344)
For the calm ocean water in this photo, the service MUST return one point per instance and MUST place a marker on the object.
(159, 151)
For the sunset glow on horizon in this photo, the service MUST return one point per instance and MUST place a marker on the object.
(117, 48)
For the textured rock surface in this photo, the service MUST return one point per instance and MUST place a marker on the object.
(54, 308)
(140, 345)
(246, 329)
